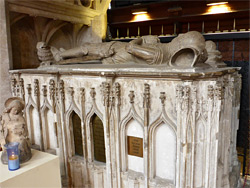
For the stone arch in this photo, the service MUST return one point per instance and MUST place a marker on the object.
(75, 123)
(131, 117)
(89, 131)
(49, 130)
(69, 128)
(98, 139)
(162, 138)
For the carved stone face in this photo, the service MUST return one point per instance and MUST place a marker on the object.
(15, 107)
(14, 102)
(15, 110)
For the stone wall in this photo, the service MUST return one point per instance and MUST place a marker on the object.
(5, 62)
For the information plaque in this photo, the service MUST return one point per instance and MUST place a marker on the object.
(135, 146)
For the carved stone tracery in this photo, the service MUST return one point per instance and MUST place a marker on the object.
(117, 93)
(106, 93)
(162, 98)
(61, 89)
(131, 97)
(198, 126)
(52, 89)
(36, 88)
(13, 86)
(146, 96)
(29, 89)
(93, 93)
(44, 91)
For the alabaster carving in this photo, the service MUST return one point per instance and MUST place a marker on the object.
(214, 55)
(192, 123)
(13, 129)
(185, 51)
(177, 100)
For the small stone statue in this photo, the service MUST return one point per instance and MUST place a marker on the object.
(13, 129)
(185, 51)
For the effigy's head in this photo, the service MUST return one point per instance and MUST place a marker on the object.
(188, 50)
(14, 105)
(210, 45)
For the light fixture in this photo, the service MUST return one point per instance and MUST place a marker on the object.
(218, 7)
(140, 14)
(217, 3)
(139, 11)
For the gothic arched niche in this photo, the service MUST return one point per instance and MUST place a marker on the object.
(199, 154)
(98, 139)
(49, 129)
(134, 130)
(77, 134)
(35, 129)
(30, 122)
(165, 152)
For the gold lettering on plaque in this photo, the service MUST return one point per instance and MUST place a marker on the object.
(135, 146)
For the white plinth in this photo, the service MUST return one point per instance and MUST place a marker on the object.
(42, 170)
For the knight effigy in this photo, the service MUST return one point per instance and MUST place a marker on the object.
(186, 50)
(135, 114)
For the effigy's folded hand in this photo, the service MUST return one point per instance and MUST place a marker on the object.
(129, 48)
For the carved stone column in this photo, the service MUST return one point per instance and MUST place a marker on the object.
(210, 101)
(37, 101)
(117, 95)
(179, 95)
(61, 106)
(146, 106)
(83, 128)
(106, 95)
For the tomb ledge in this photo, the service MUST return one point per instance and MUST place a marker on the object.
(132, 70)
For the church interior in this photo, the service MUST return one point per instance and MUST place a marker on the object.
(115, 91)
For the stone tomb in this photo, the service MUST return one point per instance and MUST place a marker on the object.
(135, 126)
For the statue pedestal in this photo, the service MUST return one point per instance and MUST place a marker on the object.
(42, 170)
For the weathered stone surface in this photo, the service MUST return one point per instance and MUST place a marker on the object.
(185, 51)
(187, 116)
(5, 64)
